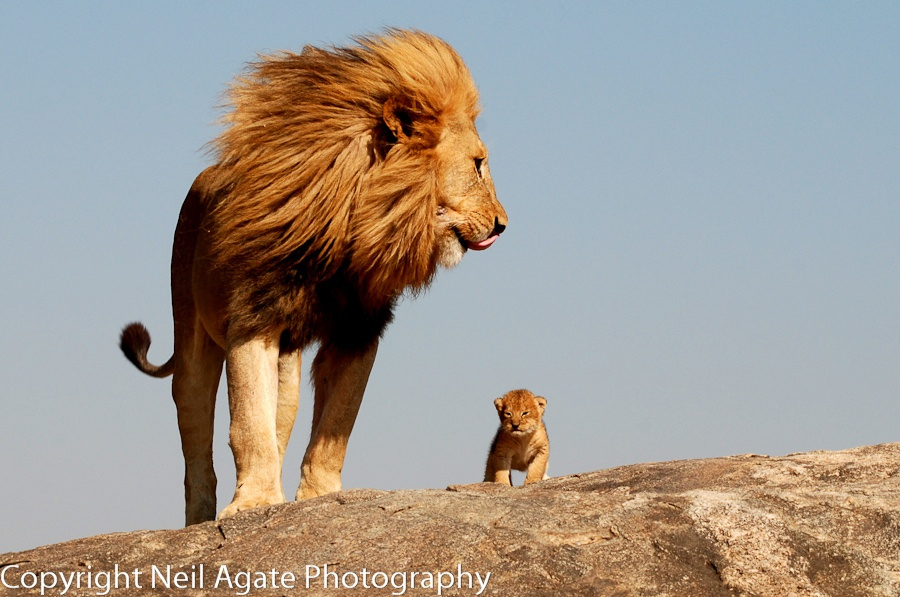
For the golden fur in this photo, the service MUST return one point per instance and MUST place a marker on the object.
(344, 178)
(521, 442)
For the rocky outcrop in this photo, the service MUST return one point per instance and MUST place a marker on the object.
(817, 524)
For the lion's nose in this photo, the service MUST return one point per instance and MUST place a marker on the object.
(499, 226)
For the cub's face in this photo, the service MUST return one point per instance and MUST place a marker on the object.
(520, 411)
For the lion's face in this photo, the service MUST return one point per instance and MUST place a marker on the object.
(469, 215)
(361, 166)
(520, 412)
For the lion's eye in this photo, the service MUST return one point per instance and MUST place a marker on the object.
(525, 414)
(507, 414)
(479, 165)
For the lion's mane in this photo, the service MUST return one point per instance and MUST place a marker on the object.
(315, 190)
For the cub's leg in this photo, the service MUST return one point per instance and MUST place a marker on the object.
(198, 368)
(498, 465)
(340, 379)
(499, 475)
(251, 367)
(537, 469)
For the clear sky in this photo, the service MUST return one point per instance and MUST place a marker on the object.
(702, 256)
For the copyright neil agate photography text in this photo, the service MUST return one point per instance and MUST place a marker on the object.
(242, 582)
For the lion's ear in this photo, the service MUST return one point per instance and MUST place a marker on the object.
(399, 118)
(498, 404)
(409, 124)
(542, 403)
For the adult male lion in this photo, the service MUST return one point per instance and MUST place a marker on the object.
(345, 176)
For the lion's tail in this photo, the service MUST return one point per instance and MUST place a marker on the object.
(134, 342)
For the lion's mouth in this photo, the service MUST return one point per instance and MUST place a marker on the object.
(481, 245)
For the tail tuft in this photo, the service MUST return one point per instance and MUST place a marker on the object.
(135, 342)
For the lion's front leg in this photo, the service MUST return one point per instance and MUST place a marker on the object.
(340, 379)
(251, 367)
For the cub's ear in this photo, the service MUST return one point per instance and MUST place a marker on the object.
(399, 118)
(498, 404)
(542, 403)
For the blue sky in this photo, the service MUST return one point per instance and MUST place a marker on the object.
(702, 256)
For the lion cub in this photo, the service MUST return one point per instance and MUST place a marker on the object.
(521, 442)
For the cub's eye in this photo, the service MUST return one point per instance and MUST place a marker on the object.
(526, 413)
(479, 167)
(507, 414)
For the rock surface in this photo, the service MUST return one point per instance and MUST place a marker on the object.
(817, 524)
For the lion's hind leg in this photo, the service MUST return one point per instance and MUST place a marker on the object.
(198, 368)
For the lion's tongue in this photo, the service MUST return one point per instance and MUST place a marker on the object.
(482, 244)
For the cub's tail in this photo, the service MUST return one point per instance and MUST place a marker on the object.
(134, 342)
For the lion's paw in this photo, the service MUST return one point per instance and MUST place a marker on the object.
(248, 503)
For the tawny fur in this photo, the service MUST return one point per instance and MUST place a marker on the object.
(312, 128)
(345, 176)
(521, 442)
